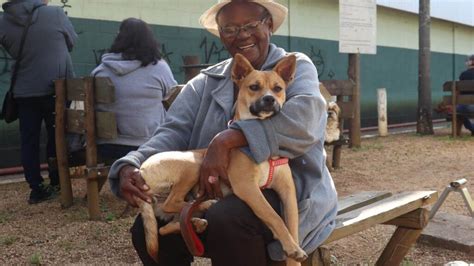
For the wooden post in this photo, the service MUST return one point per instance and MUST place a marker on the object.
(424, 123)
(454, 116)
(354, 75)
(382, 111)
(191, 68)
(61, 145)
(91, 151)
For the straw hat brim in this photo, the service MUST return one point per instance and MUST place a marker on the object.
(208, 18)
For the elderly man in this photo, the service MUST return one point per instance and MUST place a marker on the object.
(198, 119)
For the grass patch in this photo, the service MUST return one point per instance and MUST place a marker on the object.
(449, 138)
(407, 262)
(110, 217)
(8, 240)
(369, 147)
(35, 259)
(4, 217)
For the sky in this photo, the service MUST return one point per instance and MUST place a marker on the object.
(461, 11)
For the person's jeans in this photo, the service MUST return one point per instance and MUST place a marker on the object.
(31, 113)
(111, 152)
(234, 236)
(466, 109)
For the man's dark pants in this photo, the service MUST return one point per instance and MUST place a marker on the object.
(32, 111)
(234, 237)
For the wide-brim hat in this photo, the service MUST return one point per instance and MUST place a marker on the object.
(208, 18)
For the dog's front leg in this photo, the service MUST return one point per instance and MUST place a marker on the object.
(246, 188)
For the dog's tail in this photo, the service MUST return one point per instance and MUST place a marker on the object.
(151, 228)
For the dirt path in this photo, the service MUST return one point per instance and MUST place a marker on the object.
(47, 234)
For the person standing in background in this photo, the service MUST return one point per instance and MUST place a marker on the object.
(45, 57)
(141, 79)
(467, 108)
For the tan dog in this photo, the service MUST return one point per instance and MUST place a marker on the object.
(261, 95)
(332, 127)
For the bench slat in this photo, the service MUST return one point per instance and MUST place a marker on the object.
(379, 212)
(462, 99)
(339, 87)
(106, 125)
(461, 85)
(104, 90)
(360, 199)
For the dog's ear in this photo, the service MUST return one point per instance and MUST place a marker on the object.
(286, 68)
(241, 68)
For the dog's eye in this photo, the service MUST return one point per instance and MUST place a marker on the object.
(254, 87)
(277, 89)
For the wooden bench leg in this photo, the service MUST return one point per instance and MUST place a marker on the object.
(93, 199)
(406, 234)
(320, 257)
(336, 156)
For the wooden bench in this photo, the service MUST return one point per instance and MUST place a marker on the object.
(92, 125)
(460, 92)
(363, 210)
(343, 91)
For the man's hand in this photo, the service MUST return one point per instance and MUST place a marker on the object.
(216, 161)
(214, 170)
(132, 184)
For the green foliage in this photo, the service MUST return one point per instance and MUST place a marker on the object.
(110, 217)
(8, 240)
(4, 217)
(369, 146)
(35, 259)
(449, 138)
(407, 262)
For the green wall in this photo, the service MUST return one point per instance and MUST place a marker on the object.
(395, 69)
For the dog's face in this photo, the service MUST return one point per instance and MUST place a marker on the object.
(333, 111)
(261, 93)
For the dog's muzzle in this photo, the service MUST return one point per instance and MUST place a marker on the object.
(265, 106)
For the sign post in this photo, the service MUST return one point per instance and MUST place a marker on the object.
(357, 35)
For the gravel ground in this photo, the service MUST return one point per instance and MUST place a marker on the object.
(49, 235)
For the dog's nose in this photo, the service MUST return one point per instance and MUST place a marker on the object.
(268, 100)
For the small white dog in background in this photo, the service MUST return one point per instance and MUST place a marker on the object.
(332, 127)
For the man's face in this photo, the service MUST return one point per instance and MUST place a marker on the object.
(252, 40)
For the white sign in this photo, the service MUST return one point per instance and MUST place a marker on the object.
(357, 26)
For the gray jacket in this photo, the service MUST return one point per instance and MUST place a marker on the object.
(297, 132)
(138, 95)
(48, 42)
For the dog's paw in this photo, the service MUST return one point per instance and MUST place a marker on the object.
(204, 206)
(199, 224)
(297, 254)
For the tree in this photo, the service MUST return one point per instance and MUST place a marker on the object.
(424, 123)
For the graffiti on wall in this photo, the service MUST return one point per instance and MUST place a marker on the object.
(212, 50)
(65, 5)
(316, 55)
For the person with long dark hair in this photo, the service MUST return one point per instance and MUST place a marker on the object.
(141, 79)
